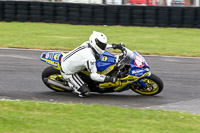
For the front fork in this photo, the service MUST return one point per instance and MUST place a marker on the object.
(145, 75)
(142, 83)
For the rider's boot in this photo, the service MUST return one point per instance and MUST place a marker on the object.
(83, 91)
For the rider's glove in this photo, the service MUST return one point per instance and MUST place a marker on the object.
(118, 46)
(110, 79)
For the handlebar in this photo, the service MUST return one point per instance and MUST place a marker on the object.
(124, 53)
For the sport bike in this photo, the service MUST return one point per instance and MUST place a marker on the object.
(131, 69)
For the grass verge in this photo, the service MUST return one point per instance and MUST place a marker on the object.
(36, 117)
(146, 40)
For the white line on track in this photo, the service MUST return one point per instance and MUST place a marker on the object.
(17, 56)
(20, 49)
(68, 51)
(172, 56)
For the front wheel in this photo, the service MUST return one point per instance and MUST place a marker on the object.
(154, 85)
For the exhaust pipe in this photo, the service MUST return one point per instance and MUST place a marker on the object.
(57, 84)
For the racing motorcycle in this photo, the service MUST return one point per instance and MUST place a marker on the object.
(131, 68)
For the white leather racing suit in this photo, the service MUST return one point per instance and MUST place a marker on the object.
(77, 60)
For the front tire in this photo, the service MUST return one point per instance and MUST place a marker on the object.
(154, 86)
(53, 74)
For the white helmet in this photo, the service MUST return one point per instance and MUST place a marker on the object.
(98, 41)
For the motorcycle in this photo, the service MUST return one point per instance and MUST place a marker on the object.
(131, 69)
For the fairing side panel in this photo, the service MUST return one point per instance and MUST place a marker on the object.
(52, 58)
(105, 61)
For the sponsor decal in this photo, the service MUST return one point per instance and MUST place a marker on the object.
(138, 61)
(55, 64)
(106, 71)
(123, 81)
(136, 71)
(47, 56)
(92, 63)
(50, 56)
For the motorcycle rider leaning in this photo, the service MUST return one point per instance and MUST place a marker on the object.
(83, 57)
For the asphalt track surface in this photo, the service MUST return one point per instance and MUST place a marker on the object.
(20, 78)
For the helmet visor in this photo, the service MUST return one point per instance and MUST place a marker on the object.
(100, 44)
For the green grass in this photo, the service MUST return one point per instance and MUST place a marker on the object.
(44, 117)
(159, 41)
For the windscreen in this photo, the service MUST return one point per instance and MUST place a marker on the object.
(128, 58)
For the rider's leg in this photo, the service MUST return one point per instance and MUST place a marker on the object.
(76, 83)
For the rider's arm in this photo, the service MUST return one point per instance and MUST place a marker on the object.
(115, 46)
(91, 67)
(109, 46)
(85, 44)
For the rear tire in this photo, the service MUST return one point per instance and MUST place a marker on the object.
(154, 86)
(53, 74)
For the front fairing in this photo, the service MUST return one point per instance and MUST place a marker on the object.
(139, 66)
(138, 69)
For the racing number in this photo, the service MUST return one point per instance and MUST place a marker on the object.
(56, 57)
(104, 58)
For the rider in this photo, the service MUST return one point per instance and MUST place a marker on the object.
(83, 57)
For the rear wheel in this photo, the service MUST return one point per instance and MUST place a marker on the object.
(154, 85)
(53, 74)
